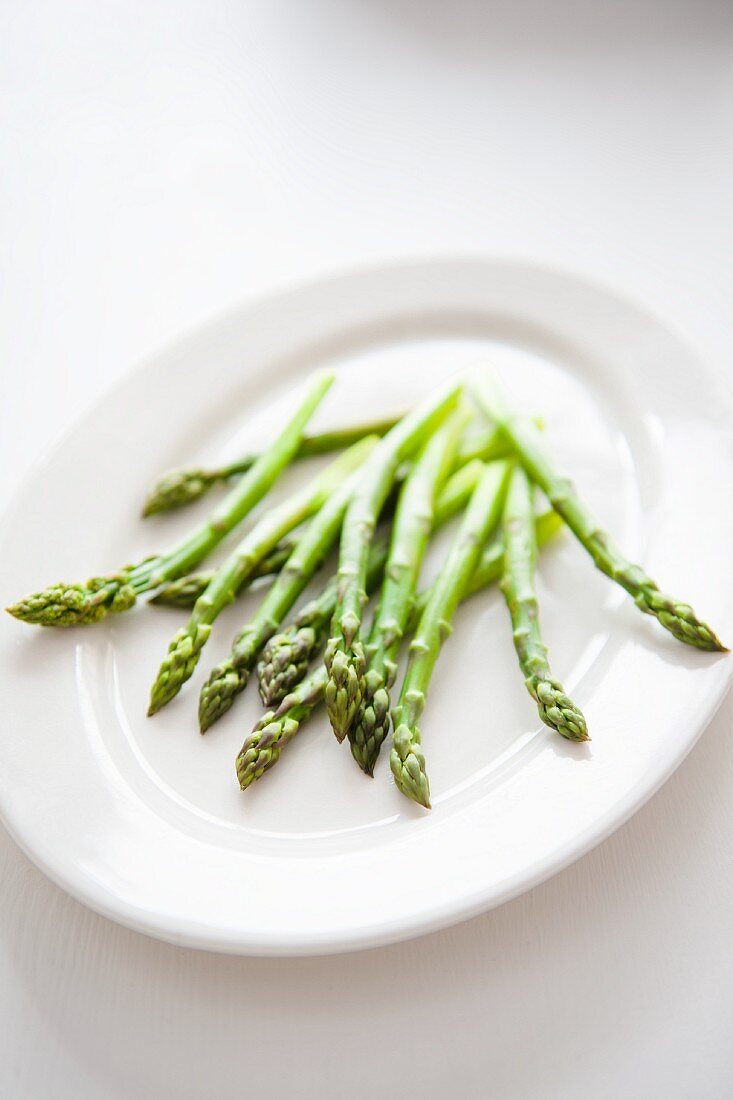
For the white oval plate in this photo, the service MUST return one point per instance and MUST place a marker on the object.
(143, 820)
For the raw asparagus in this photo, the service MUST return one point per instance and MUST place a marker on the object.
(230, 676)
(555, 708)
(407, 759)
(677, 617)
(486, 445)
(176, 488)
(412, 526)
(280, 725)
(81, 604)
(491, 563)
(185, 648)
(277, 727)
(186, 590)
(345, 659)
(288, 654)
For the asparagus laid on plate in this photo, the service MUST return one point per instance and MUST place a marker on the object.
(279, 725)
(230, 676)
(180, 487)
(411, 530)
(185, 648)
(677, 617)
(407, 759)
(345, 659)
(555, 708)
(184, 591)
(486, 444)
(82, 604)
(288, 654)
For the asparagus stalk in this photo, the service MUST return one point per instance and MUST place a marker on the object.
(186, 590)
(486, 445)
(373, 720)
(287, 655)
(230, 676)
(279, 726)
(180, 487)
(345, 659)
(185, 648)
(490, 568)
(555, 708)
(407, 759)
(413, 523)
(677, 617)
(82, 604)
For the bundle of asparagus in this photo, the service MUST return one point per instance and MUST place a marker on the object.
(394, 484)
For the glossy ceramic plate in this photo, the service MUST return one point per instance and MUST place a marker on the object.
(143, 820)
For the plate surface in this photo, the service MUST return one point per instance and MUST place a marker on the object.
(143, 820)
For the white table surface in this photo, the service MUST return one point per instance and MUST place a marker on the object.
(162, 161)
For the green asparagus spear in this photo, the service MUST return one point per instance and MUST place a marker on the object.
(185, 648)
(287, 655)
(486, 445)
(81, 604)
(345, 654)
(186, 590)
(679, 618)
(474, 449)
(457, 491)
(230, 676)
(490, 568)
(407, 759)
(178, 488)
(279, 726)
(556, 709)
(412, 526)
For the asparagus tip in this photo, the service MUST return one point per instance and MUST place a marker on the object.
(557, 710)
(226, 681)
(345, 687)
(178, 666)
(407, 762)
(422, 800)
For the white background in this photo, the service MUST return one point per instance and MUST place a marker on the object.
(162, 161)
